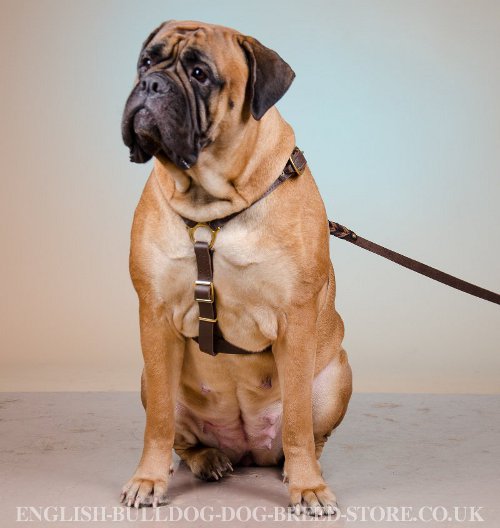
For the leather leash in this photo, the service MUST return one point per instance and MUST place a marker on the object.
(339, 231)
(210, 337)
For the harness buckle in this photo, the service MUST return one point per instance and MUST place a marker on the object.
(211, 296)
(295, 168)
(213, 232)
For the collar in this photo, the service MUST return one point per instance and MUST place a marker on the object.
(295, 166)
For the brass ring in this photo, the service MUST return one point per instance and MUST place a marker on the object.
(213, 232)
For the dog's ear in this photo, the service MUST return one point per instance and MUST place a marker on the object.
(269, 76)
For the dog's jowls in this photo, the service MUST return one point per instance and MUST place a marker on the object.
(203, 107)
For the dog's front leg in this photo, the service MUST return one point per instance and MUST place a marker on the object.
(163, 353)
(294, 352)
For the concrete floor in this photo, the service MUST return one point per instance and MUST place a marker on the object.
(78, 449)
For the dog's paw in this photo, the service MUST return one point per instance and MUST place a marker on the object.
(144, 492)
(317, 501)
(210, 464)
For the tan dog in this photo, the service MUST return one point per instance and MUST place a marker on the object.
(203, 106)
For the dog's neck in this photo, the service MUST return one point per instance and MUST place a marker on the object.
(231, 175)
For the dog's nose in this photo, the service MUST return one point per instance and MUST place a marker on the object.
(153, 85)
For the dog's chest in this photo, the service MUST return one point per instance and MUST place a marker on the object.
(253, 281)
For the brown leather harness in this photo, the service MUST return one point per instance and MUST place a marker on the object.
(210, 338)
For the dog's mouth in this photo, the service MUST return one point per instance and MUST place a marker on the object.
(142, 136)
(155, 128)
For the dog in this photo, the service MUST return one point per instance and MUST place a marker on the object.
(203, 106)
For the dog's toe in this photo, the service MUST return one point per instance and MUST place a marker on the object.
(317, 501)
(144, 492)
(210, 464)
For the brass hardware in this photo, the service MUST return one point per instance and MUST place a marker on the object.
(192, 230)
(207, 319)
(205, 283)
(299, 172)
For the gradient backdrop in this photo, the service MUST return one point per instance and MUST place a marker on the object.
(396, 104)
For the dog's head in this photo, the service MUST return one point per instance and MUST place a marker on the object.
(197, 85)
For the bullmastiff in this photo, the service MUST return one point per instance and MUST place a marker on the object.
(203, 107)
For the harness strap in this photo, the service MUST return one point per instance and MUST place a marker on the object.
(204, 294)
(210, 337)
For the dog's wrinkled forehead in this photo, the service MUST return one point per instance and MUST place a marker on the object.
(192, 41)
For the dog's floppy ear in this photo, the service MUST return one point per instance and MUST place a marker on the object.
(269, 76)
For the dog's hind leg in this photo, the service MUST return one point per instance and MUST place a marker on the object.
(332, 385)
(331, 393)
(206, 463)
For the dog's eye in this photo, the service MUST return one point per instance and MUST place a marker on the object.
(145, 63)
(199, 75)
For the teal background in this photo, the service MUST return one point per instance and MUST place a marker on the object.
(396, 105)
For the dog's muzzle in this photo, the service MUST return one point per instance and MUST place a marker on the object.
(156, 120)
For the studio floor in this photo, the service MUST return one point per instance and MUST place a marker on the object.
(434, 452)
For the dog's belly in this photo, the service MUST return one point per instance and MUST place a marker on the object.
(254, 440)
(232, 403)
